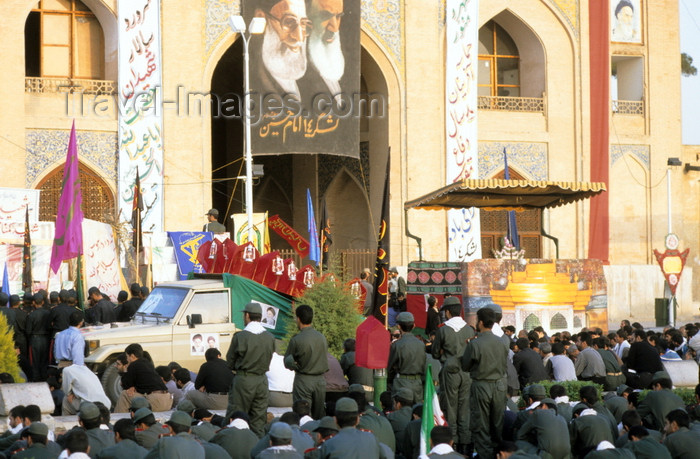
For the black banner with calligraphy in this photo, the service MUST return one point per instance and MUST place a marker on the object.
(305, 77)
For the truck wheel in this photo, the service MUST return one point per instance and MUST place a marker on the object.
(112, 383)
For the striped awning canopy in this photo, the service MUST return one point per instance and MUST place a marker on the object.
(506, 194)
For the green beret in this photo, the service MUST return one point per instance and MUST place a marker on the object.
(451, 300)
(659, 375)
(356, 388)
(535, 390)
(186, 406)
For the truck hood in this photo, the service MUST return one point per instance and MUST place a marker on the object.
(135, 332)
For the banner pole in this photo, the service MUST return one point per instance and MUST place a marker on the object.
(379, 385)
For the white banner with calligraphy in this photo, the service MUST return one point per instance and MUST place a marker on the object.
(13, 205)
(461, 146)
(102, 269)
(140, 110)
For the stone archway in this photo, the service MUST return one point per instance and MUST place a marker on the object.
(295, 173)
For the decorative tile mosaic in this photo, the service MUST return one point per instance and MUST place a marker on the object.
(381, 18)
(640, 151)
(384, 19)
(570, 10)
(530, 158)
(216, 26)
(46, 149)
(329, 165)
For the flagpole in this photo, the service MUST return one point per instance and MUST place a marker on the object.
(138, 244)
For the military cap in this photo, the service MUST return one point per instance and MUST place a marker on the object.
(281, 431)
(404, 393)
(88, 410)
(180, 418)
(253, 308)
(451, 300)
(139, 402)
(327, 422)
(622, 388)
(346, 405)
(494, 307)
(141, 414)
(186, 406)
(393, 270)
(213, 213)
(356, 388)
(660, 375)
(551, 403)
(535, 390)
(38, 428)
(405, 318)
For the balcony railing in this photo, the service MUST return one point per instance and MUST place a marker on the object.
(513, 104)
(628, 107)
(58, 85)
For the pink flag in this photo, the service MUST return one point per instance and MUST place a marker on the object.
(68, 238)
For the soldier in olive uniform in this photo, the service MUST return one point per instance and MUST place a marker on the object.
(402, 415)
(237, 439)
(126, 446)
(659, 402)
(485, 358)
(350, 442)
(180, 443)
(37, 439)
(147, 431)
(587, 429)
(441, 442)
(407, 360)
(306, 356)
(89, 419)
(448, 346)
(280, 443)
(644, 446)
(545, 432)
(681, 442)
(370, 419)
(249, 356)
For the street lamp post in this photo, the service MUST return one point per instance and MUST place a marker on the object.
(257, 26)
(671, 163)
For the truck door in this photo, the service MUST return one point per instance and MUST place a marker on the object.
(190, 342)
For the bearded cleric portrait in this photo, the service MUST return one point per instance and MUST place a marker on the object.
(305, 77)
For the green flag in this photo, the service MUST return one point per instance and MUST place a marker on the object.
(276, 308)
(432, 414)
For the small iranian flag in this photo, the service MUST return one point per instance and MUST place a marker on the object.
(432, 414)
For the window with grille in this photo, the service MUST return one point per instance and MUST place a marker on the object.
(499, 62)
(63, 39)
(98, 200)
(531, 322)
(558, 322)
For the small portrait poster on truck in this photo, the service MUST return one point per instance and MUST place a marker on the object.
(200, 342)
(269, 318)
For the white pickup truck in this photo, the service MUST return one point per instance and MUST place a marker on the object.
(177, 322)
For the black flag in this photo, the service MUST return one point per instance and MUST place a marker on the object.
(27, 256)
(136, 213)
(381, 269)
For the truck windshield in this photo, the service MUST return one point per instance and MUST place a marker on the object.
(163, 302)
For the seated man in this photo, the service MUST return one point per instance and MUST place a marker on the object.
(213, 383)
(141, 380)
(681, 442)
(79, 385)
(659, 402)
